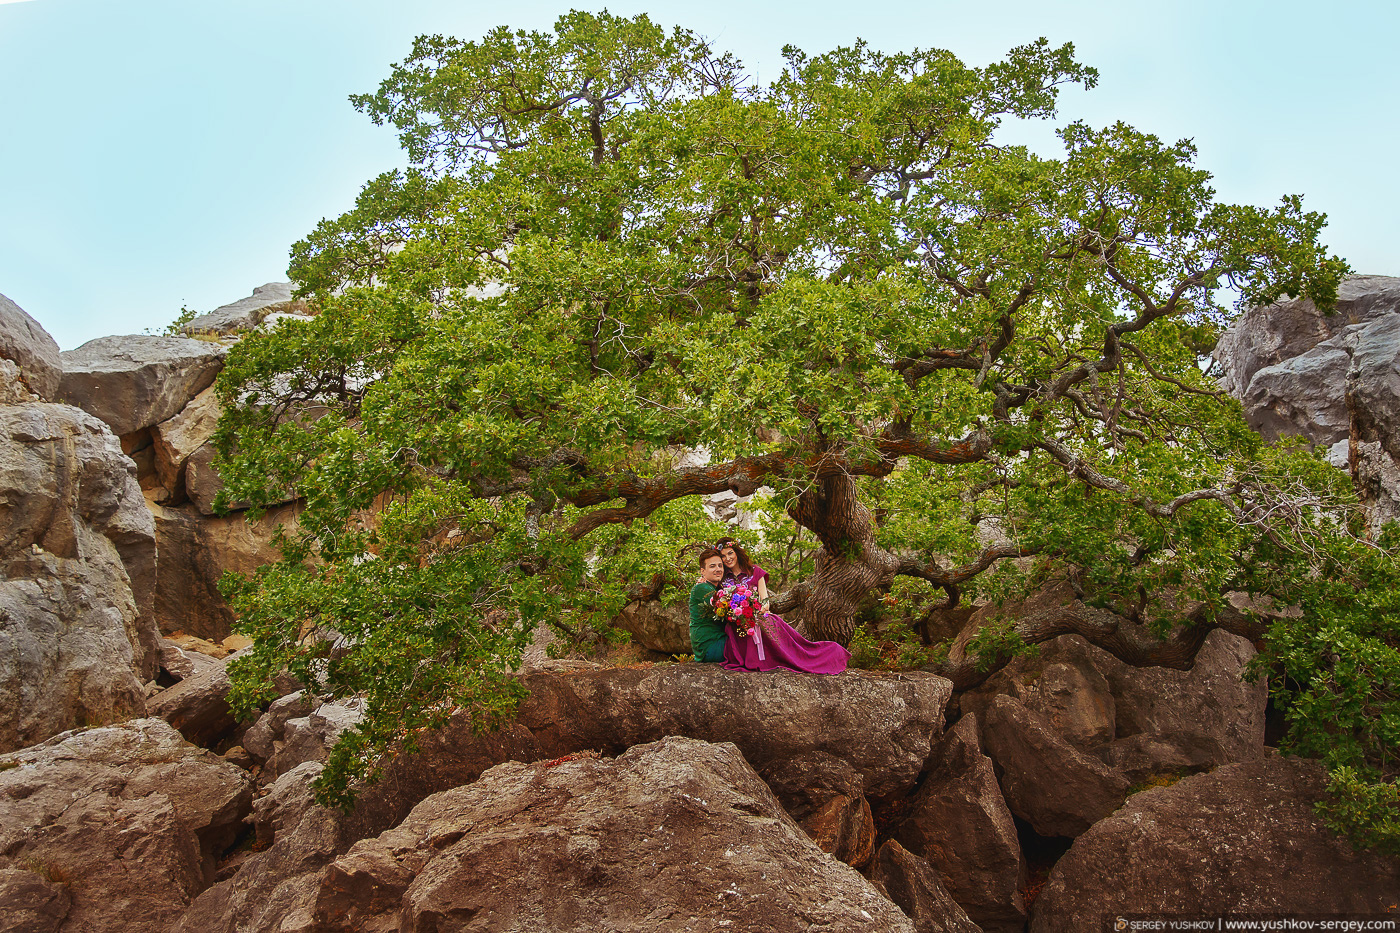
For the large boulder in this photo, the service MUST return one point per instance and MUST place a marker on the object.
(882, 725)
(1331, 379)
(130, 818)
(29, 346)
(77, 633)
(1058, 790)
(959, 823)
(1266, 335)
(135, 382)
(1212, 699)
(245, 313)
(1243, 839)
(679, 835)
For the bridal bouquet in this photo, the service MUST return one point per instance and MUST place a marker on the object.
(737, 604)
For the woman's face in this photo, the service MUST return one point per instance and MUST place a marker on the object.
(731, 559)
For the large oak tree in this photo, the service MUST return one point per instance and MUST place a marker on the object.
(950, 360)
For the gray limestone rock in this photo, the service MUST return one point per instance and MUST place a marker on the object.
(136, 382)
(1265, 336)
(131, 817)
(77, 633)
(243, 314)
(29, 346)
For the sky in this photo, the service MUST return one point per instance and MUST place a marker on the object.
(156, 156)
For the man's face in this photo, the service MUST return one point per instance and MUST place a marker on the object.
(713, 571)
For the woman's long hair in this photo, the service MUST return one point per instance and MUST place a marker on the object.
(745, 568)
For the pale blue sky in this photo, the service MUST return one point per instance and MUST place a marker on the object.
(160, 154)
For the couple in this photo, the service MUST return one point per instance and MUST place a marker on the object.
(773, 644)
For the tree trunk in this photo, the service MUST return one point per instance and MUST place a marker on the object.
(850, 563)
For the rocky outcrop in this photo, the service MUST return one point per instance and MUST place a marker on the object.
(245, 313)
(959, 823)
(136, 382)
(881, 725)
(1046, 782)
(129, 819)
(912, 883)
(311, 737)
(33, 351)
(1331, 379)
(78, 551)
(1267, 335)
(1241, 840)
(673, 836)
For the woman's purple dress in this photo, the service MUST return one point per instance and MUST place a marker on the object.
(782, 646)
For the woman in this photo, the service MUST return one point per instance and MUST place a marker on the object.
(782, 646)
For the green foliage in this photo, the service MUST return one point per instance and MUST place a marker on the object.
(1365, 810)
(608, 252)
(995, 643)
(1334, 669)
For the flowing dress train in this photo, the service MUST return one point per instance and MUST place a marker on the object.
(782, 647)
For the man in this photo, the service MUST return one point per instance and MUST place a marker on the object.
(707, 632)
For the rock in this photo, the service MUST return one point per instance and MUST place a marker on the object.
(33, 903)
(272, 891)
(195, 552)
(678, 835)
(1046, 782)
(198, 706)
(1140, 757)
(29, 346)
(1211, 700)
(311, 738)
(1265, 336)
(78, 552)
(182, 664)
(1241, 840)
(882, 725)
(1304, 396)
(959, 824)
(912, 883)
(1063, 684)
(825, 796)
(175, 439)
(260, 738)
(136, 382)
(13, 389)
(1331, 379)
(245, 313)
(287, 800)
(657, 626)
(130, 817)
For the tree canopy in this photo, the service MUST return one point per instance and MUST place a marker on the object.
(617, 275)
